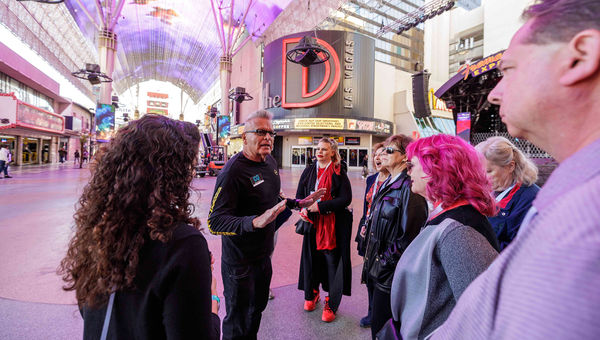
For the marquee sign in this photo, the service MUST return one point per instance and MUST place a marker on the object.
(481, 66)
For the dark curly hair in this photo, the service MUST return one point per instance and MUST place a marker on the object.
(139, 189)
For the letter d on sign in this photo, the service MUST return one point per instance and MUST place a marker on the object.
(327, 87)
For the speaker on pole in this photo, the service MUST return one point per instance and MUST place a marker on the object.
(420, 87)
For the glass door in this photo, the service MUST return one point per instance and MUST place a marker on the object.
(298, 156)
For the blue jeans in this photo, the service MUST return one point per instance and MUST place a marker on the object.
(4, 167)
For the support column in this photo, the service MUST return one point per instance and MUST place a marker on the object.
(39, 150)
(107, 48)
(19, 151)
(53, 149)
(225, 74)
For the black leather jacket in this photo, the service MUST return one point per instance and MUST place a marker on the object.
(397, 216)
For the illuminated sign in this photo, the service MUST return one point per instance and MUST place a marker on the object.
(305, 140)
(105, 122)
(157, 111)
(319, 123)
(481, 66)
(326, 88)
(283, 124)
(463, 125)
(36, 118)
(352, 140)
(436, 104)
(338, 139)
(157, 103)
(158, 95)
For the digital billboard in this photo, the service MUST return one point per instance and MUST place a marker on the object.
(224, 124)
(105, 122)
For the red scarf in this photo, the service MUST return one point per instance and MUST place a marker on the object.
(325, 224)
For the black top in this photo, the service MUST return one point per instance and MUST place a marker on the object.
(244, 190)
(468, 215)
(172, 298)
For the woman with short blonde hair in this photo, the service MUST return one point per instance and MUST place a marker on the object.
(513, 178)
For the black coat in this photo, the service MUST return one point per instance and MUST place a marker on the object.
(312, 263)
(397, 215)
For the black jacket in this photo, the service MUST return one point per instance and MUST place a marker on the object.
(312, 265)
(397, 216)
(171, 298)
(361, 244)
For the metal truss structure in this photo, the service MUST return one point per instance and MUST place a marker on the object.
(52, 33)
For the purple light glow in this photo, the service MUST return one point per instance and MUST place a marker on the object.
(171, 40)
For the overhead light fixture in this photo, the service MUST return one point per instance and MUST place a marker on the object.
(239, 95)
(307, 52)
(44, 1)
(92, 73)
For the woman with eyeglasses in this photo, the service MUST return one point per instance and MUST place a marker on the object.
(456, 244)
(374, 183)
(325, 257)
(513, 179)
(395, 218)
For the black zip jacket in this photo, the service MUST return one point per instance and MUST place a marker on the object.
(397, 216)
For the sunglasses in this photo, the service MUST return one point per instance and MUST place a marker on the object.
(262, 133)
(389, 150)
(409, 166)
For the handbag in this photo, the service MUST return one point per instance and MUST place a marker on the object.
(303, 227)
(109, 309)
(389, 331)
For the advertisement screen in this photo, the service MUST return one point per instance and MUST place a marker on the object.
(105, 122)
(224, 123)
(463, 126)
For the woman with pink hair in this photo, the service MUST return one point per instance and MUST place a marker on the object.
(456, 244)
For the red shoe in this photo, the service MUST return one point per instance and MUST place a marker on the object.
(310, 305)
(328, 314)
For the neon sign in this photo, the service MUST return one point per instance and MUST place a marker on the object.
(480, 67)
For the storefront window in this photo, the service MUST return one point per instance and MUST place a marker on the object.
(25, 93)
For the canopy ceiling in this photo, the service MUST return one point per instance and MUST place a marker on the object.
(173, 40)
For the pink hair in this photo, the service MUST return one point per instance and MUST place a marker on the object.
(455, 172)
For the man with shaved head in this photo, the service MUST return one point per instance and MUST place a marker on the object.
(244, 207)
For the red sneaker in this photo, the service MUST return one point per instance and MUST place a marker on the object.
(310, 305)
(328, 314)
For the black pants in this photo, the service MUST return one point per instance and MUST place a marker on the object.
(246, 291)
(370, 295)
(332, 261)
(381, 310)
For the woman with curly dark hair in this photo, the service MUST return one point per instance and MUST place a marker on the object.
(138, 263)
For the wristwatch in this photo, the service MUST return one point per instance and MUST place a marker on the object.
(292, 203)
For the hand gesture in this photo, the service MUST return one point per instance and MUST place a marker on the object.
(312, 198)
(268, 216)
(314, 207)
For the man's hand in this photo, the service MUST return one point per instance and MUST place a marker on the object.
(314, 207)
(268, 216)
(312, 198)
(363, 231)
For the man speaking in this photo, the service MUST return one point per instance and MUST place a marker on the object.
(244, 207)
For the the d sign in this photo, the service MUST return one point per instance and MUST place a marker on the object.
(326, 89)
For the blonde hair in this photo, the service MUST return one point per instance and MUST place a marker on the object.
(501, 151)
(334, 146)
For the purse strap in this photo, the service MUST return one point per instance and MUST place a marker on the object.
(109, 309)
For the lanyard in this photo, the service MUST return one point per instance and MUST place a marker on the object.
(323, 173)
(377, 185)
(504, 193)
(439, 210)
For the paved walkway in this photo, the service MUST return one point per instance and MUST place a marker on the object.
(36, 220)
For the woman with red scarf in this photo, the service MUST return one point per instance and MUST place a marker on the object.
(326, 248)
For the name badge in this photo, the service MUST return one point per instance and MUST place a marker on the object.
(256, 180)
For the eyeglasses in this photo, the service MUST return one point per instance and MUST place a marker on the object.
(409, 166)
(262, 133)
(389, 150)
